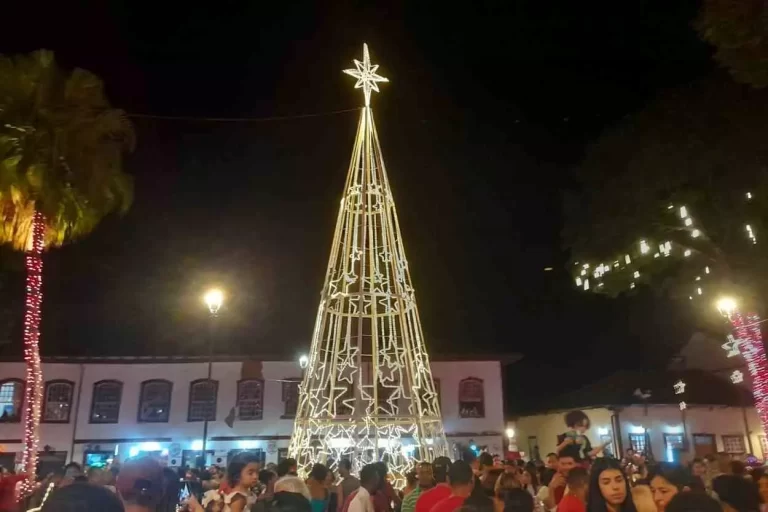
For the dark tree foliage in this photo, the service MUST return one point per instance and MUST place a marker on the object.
(702, 146)
(739, 31)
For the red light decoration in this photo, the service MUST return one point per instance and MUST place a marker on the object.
(34, 376)
(752, 348)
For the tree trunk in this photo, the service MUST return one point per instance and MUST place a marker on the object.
(750, 343)
(34, 378)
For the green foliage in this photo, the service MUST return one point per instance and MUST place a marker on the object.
(702, 146)
(739, 31)
(61, 147)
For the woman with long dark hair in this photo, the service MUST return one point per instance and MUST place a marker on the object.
(609, 488)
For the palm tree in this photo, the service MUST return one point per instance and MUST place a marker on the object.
(61, 147)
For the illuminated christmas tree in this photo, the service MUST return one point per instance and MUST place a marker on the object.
(367, 393)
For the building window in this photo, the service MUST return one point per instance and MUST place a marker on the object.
(202, 400)
(155, 401)
(290, 397)
(11, 400)
(533, 448)
(734, 444)
(105, 407)
(607, 441)
(471, 398)
(250, 399)
(637, 442)
(673, 445)
(57, 403)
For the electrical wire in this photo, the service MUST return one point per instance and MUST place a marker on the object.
(241, 119)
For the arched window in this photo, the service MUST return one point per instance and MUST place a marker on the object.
(105, 406)
(471, 398)
(57, 401)
(250, 399)
(290, 397)
(155, 401)
(11, 400)
(202, 400)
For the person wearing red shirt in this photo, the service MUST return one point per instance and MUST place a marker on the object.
(8, 491)
(462, 481)
(576, 498)
(439, 492)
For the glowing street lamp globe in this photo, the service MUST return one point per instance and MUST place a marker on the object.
(726, 305)
(303, 361)
(214, 298)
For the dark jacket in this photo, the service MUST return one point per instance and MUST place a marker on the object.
(290, 502)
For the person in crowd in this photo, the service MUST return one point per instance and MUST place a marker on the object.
(140, 484)
(517, 500)
(441, 490)
(693, 502)
(318, 492)
(55, 479)
(609, 488)
(82, 497)
(698, 468)
(410, 484)
(490, 478)
(287, 467)
(642, 497)
(556, 487)
(510, 466)
(424, 482)
(504, 484)
(330, 485)
(575, 498)
(267, 480)
(760, 479)
(462, 480)
(385, 496)
(370, 482)
(666, 480)
(242, 475)
(577, 423)
(545, 478)
(736, 494)
(551, 462)
(530, 481)
(289, 496)
(348, 483)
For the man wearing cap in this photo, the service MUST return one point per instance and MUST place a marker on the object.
(439, 492)
(425, 482)
(140, 484)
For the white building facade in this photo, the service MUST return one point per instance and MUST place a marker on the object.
(671, 433)
(95, 410)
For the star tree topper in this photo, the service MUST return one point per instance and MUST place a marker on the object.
(737, 377)
(731, 346)
(366, 75)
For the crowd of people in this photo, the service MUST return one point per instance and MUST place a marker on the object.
(575, 478)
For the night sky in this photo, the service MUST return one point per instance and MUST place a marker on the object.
(488, 112)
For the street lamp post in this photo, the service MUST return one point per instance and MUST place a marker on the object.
(213, 298)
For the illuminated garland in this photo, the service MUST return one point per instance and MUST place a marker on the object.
(751, 345)
(34, 377)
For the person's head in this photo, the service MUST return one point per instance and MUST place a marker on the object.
(551, 460)
(95, 476)
(243, 470)
(381, 466)
(736, 493)
(692, 502)
(608, 488)
(267, 478)
(329, 478)
(529, 477)
(140, 483)
(760, 477)
(578, 483)
(424, 475)
(565, 463)
(370, 477)
(83, 498)
(505, 481)
(577, 421)
(642, 497)
(318, 473)
(485, 461)
(440, 467)
(461, 478)
(410, 479)
(517, 500)
(738, 468)
(666, 481)
(698, 467)
(345, 467)
(287, 467)
(630, 453)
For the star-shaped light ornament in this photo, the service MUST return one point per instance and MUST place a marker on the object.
(737, 377)
(679, 387)
(367, 79)
(731, 346)
(683, 406)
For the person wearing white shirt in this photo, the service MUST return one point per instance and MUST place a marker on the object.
(369, 482)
